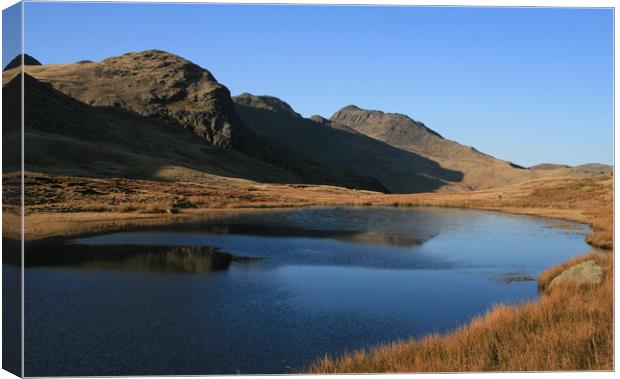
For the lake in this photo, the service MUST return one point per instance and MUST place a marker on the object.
(270, 291)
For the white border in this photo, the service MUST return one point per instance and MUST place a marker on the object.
(475, 3)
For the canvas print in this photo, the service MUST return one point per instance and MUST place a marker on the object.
(220, 189)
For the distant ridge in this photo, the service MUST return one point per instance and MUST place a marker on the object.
(588, 168)
(548, 166)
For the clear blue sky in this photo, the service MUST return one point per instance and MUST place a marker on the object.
(529, 85)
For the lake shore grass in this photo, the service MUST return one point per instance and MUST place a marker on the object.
(69, 206)
(568, 328)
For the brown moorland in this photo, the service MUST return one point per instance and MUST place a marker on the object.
(586, 200)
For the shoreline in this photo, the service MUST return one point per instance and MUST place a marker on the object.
(590, 204)
(57, 207)
(116, 222)
(93, 223)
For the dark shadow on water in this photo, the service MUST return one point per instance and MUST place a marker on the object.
(12, 336)
(162, 259)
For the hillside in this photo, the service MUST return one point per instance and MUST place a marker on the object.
(334, 145)
(154, 115)
(67, 137)
(158, 88)
(480, 171)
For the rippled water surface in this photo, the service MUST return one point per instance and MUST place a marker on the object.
(268, 292)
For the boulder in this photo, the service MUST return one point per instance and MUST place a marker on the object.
(585, 273)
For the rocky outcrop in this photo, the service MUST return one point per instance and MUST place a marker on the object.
(155, 84)
(403, 131)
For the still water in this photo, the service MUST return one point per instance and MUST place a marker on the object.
(268, 292)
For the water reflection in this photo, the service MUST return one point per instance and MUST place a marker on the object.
(323, 281)
(381, 226)
(369, 237)
(178, 259)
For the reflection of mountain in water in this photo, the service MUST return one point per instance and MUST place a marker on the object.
(187, 259)
(380, 237)
(372, 237)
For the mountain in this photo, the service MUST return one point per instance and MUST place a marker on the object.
(155, 84)
(338, 146)
(17, 62)
(168, 90)
(154, 115)
(480, 170)
(64, 136)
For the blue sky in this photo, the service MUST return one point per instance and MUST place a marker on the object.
(529, 85)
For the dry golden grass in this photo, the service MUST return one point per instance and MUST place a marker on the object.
(576, 199)
(544, 279)
(569, 328)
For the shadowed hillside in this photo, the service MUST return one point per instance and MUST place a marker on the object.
(65, 136)
(138, 90)
(335, 145)
(480, 170)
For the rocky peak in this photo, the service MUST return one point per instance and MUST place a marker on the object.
(162, 63)
(156, 84)
(352, 112)
(391, 127)
(269, 103)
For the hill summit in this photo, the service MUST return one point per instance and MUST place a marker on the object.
(156, 84)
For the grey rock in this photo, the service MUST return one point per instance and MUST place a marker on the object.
(585, 273)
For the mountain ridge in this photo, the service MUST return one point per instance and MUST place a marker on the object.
(354, 148)
(335, 145)
(184, 95)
